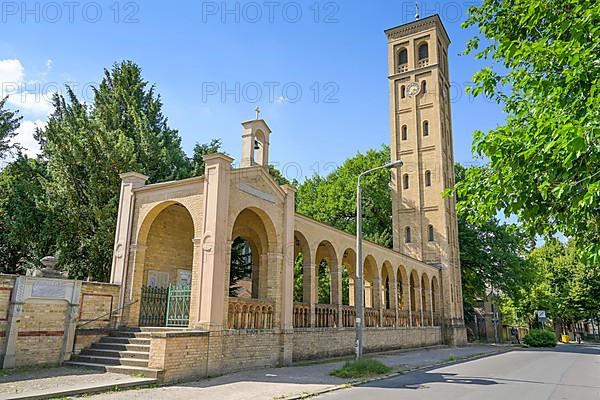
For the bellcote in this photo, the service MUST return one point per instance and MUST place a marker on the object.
(255, 143)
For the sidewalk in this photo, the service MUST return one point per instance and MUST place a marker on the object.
(265, 384)
(279, 383)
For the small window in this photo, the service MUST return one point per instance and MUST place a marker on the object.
(424, 87)
(423, 52)
(403, 57)
(430, 233)
(427, 178)
(425, 128)
(404, 132)
(405, 181)
(407, 238)
(403, 92)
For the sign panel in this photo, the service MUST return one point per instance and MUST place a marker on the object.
(48, 289)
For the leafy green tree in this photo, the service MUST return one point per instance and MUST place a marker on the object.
(324, 283)
(332, 199)
(26, 229)
(240, 266)
(493, 255)
(299, 279)
(201, 150)
(87, 146)
(9, 123)
(544, 161)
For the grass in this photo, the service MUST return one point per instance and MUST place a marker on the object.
(364, 368)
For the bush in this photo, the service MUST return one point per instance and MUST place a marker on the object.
(540, 338)
(362, 369)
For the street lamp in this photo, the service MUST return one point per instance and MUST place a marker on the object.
(358, 286)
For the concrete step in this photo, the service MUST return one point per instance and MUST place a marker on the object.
(120, 369)
(151, 329)
(141, 355)
(131, 334)
(124, 340)
(121, 347)
(131, 362)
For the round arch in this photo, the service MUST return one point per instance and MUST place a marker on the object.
(348, 277)
(252, 236)
(302, 263)
(387, 283)
(415, 299)
(370, 277)
(325, 269)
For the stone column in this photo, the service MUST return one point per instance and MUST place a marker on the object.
(407, 301)
(130, 315)
(287, 275)
(119, 271)
(196, 282)
(420, 303)
(377, 303)
(394, 297)
(336, 290)
(213, 282)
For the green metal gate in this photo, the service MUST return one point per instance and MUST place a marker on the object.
(165, 306)
(178, 306)
(153, 306)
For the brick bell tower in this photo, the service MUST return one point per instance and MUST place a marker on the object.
(424, 221)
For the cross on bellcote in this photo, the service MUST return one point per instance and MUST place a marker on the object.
(257, 112)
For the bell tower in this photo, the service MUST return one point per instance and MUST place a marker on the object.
(424, 221)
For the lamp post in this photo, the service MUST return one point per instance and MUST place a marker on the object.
(358, 286)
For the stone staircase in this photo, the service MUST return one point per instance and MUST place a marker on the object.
(123, 352)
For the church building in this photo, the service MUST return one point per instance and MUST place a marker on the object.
(176, 243)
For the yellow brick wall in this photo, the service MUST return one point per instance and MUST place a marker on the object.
(322, 343)
(181, 357)
(40, 333)
(96, 300)
(7, 282)
(170, 245)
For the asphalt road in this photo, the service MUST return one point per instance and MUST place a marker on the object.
(567, 372)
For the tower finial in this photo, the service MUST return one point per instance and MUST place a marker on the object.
(257, 112)
(417, 11)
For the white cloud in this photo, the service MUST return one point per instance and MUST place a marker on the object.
(29, 97)
(11, 71)
(49, 64)
(25, 137)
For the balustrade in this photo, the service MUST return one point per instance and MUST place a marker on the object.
(301, 315)
(403, 319)
(389, 317)
(371, 317)
(416, 318)
(348, 316)
(437, 319)
(250, 314)
(325, 316)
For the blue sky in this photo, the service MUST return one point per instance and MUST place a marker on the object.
(334, 52)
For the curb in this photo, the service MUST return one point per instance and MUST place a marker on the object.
(358, 382)
(79, 391)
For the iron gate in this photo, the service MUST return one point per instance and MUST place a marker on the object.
(153, 306)
(165, 306)
(178, 306)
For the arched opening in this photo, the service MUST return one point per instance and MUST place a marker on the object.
(249, 265)
(404, 132)
(405, 181)
(430, 233)
(425, 128)
(326, 264)
(423, 87)
(348, 276)
(423, 51)
(427, 178)
(407, 235)
(402, 92)
(260, 147)
(167, 233)
(388, 299)
(302, 262)
(403, 296)
(415, 299)
(403, 60)
(251, 296)
(370, 292)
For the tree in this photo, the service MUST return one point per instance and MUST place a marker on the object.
(9, 123)
(332, 199)
(493, 256)
(26, 229)
(201, 150)
(544, 161)
(86, 148)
